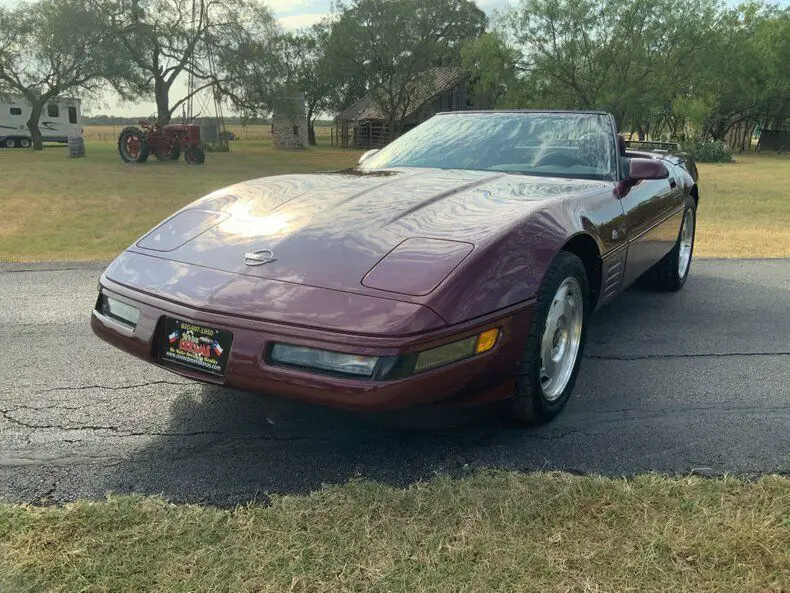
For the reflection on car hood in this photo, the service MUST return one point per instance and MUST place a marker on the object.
(330, 229)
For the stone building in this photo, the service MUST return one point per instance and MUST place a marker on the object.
(289, 125)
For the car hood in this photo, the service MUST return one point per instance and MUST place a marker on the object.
(330, 230)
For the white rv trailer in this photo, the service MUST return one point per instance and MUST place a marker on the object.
(59, 120)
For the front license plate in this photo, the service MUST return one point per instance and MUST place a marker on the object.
(195, 346)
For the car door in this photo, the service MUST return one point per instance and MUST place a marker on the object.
(653, 212)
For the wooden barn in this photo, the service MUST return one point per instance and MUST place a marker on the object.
(364, 124)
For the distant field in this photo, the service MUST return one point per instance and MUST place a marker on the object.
(58, 208)
(251, 132)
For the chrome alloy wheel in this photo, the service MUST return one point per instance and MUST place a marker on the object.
(561, 338)
(686, 243)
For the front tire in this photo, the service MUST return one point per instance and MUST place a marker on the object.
(194, 156)
(25, 143)
(9, 143)
(553, 353)
(671, 272)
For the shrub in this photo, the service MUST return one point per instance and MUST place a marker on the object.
(714, 151)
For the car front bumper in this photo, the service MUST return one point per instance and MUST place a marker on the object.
(485, 377)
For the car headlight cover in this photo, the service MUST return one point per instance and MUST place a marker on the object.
(119, 311)
(324, 360)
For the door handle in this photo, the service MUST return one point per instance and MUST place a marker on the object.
(672, 183)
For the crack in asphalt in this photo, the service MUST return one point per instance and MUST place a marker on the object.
(114, 429)
(114, 387)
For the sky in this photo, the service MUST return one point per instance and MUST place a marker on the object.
(292, 14)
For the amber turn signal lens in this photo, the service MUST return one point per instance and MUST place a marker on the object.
(486, 341)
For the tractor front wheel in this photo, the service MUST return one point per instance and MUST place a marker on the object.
(194, 156)
(132, 145)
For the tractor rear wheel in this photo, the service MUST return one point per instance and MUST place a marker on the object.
(133, 146)
(194, 156)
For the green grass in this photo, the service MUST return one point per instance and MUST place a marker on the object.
(56, 208)
(490, 532)
(745, 207)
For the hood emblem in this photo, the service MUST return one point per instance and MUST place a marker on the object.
(258, 258)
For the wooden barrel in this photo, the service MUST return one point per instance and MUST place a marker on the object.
(76, 146)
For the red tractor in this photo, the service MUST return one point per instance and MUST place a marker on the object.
(165, 142)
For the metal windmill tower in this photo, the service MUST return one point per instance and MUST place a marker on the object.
(204, 105)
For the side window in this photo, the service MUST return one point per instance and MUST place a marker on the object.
(72, 115)
(16, 111)
(52, 110)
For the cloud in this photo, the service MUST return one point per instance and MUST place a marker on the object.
(291, 6)
(489, 5)
(298, 21)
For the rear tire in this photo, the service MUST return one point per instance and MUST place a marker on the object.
(671, 272)
(25, 143)
(9, 143)
(553, 352)
(132, 145)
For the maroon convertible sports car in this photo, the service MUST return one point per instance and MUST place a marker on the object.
(459, 263)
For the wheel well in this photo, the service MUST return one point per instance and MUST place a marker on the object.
(694, 193)
(585, 248)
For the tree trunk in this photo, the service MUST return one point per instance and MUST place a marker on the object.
(311, 133)
(162, 94)
(32, 125)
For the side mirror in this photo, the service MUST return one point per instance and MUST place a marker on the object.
(639, 169)
(367, 155)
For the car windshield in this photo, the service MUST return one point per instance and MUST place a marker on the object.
(577, 145)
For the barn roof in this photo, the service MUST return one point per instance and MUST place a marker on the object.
(426, 86)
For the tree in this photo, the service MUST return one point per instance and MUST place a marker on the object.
(273, 68)
(307, 69)
(686, 68)
(390, 44)
(494, 67)
(167, 39)
(52, 47)
(593, 54)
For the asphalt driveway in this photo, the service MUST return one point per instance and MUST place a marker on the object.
(694, 381)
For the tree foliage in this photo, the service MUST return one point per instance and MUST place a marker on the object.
(54, 47)
(279, 66)
(665, 67)
(694, 70)
(389, 44)
(201, 39)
